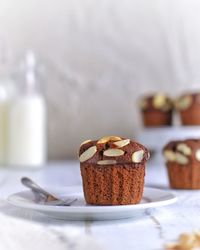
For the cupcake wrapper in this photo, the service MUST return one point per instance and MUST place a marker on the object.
(184, 176)
(191, 116)
(156, 118)
(120, 184)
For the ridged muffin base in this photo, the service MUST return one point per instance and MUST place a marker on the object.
(120, 184)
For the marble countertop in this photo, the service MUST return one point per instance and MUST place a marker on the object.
(151, 231)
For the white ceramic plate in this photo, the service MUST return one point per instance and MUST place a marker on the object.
(80, 211)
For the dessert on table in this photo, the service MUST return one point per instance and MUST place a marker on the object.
(156, 110)
(188, 107)
(183, 163)
(112, 170)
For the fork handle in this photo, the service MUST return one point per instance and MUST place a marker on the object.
(32, 185)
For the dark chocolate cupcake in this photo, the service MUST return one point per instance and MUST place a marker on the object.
(183, 163)
(156, 110)
(113, 170)
(188, 106)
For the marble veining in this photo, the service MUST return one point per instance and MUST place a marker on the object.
(149, 231)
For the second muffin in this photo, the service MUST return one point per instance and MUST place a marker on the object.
(112, 170)
(156, 110)
(183, 163)
(188, 107)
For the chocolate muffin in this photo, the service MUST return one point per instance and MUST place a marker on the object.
(113, 170)
(156, 110)
(183, 163)
(188, 106)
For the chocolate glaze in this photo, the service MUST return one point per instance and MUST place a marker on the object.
(194, 144)
(126, 158)
(150, 107)
(195, 97)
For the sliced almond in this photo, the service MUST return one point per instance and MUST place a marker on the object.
(184, 102)
(113, 152)
(85, 142)
(122, 143)
(181, 159)
(159, 101)
(107, 162)
(197, 154)
(148, 155)
(137, 156)
(172, 246)
(109, 138)
(89, 153)
(183, 148)
(185, 241)
(169, 155)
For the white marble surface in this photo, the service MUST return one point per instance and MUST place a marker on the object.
(151, 231)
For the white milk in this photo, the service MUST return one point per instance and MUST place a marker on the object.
(3, 130)
(26, 134)
(26, 120)
(6, 91)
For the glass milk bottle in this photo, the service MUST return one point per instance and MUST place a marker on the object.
(7, 89)
(3, 123)
(26, 145)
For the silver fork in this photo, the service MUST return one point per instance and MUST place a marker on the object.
(43, 195)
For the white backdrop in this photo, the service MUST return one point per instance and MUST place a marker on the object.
(101, 55)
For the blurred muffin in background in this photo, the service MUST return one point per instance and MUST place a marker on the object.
(188, 106)
(183, 163)
(156, 110)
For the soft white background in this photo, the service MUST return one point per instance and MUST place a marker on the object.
(100, 56)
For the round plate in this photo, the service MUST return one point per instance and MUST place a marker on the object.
(79, 210)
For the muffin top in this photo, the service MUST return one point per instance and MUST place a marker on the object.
(158, 101)
(182, 152)
(112, 150)
(186, 101)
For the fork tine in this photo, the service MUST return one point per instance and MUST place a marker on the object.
(72, 201)
(67, 202)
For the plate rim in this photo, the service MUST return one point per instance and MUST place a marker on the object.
(90, 208)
